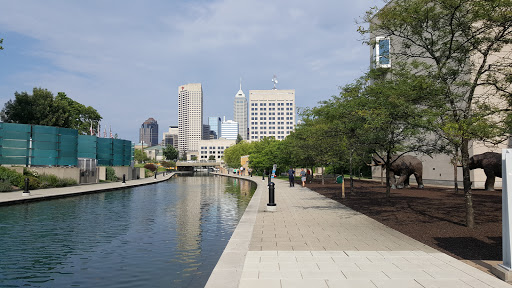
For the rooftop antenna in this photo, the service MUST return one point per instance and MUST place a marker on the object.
(240, 83)
(274, 80)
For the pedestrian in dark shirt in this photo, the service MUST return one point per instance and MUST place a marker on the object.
(291, 177)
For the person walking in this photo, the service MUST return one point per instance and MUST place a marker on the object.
(303, 177)
(291, 177)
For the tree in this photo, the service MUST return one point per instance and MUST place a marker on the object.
(193, 157)
(170, 153)
(81, 116)
(239, 139)
(232, 154)
(462, 45)
(264, 154)
(211, 158)
(140, 156)
(1, 41)
(39, 109)
(42, 108)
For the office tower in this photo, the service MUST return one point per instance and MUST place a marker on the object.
(148, 132)
(272, 113)
(229, 130)
(171, 137)
(240, 112)
(190, 117)
(214, 123)
(206, 132)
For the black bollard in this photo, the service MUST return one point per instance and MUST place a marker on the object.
(263, 176)
(124, 178)
(271, 205)
(26, 192)
(155, 174)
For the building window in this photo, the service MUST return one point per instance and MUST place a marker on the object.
(382, 59)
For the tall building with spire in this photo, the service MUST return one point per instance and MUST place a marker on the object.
(240, 113)
(190, 117)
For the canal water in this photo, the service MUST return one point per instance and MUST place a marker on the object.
(169, 234)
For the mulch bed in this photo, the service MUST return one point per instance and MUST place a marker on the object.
(434, 216)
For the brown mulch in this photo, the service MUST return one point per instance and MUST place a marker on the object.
(434, 216)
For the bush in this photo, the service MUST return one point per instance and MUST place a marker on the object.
(12, 176)
(48, 181)
(5, 186)
(150, 167)
(65, 182)
(111, 174)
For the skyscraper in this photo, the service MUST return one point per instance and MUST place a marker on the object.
(229, 130)
(171, 137)
(190, 117)
(272, 113)
(214, 123)
(240, 112)
(148, 132)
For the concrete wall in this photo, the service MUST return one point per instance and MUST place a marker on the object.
(71, 172)
(131, 173)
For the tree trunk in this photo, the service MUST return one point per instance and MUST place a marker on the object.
(351, 172)
(455, 174)
(388, 165)
(470, 218)
(323, 174)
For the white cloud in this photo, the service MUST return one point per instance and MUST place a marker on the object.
(127, 58)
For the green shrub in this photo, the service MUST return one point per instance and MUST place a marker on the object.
(12, 176)
(65, 182)
(148, 173)
(48, 181)
(5, 186)
(111, 174)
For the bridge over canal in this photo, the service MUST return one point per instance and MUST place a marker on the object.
(194, 165)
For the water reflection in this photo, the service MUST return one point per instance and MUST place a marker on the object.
(165, 235)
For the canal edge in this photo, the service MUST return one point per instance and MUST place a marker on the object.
(65, 192)
(228, 271)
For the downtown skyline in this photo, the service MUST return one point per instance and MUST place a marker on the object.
(128, 70)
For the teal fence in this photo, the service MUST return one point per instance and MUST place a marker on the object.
(22, 144)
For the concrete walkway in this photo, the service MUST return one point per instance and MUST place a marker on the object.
(313, 241)
(16, 197)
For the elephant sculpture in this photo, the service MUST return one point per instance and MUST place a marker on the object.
(404, 167)
(491, 163)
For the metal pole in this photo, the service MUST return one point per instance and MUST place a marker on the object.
(26, 192)
(124, 178)
(271, 205)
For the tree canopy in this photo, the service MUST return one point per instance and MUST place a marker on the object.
(462, 46)
(42, 108)
(170, 153)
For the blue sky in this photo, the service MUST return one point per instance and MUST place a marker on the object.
(127, 58)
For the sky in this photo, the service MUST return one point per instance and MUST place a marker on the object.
(127, 58)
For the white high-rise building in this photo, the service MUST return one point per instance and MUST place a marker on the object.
(240, 112)
(190, 117)
(272, 113)
(229, 130)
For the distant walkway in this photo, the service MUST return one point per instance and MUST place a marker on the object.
(313, 241)
(16, 197)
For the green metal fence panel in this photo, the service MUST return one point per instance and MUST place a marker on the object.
(104, 151)
(87, 146)
(14, 143)
(22, 144)
(44, 145)
(68, 147)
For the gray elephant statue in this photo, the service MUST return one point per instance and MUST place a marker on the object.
(404, 167)
(491, 163)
